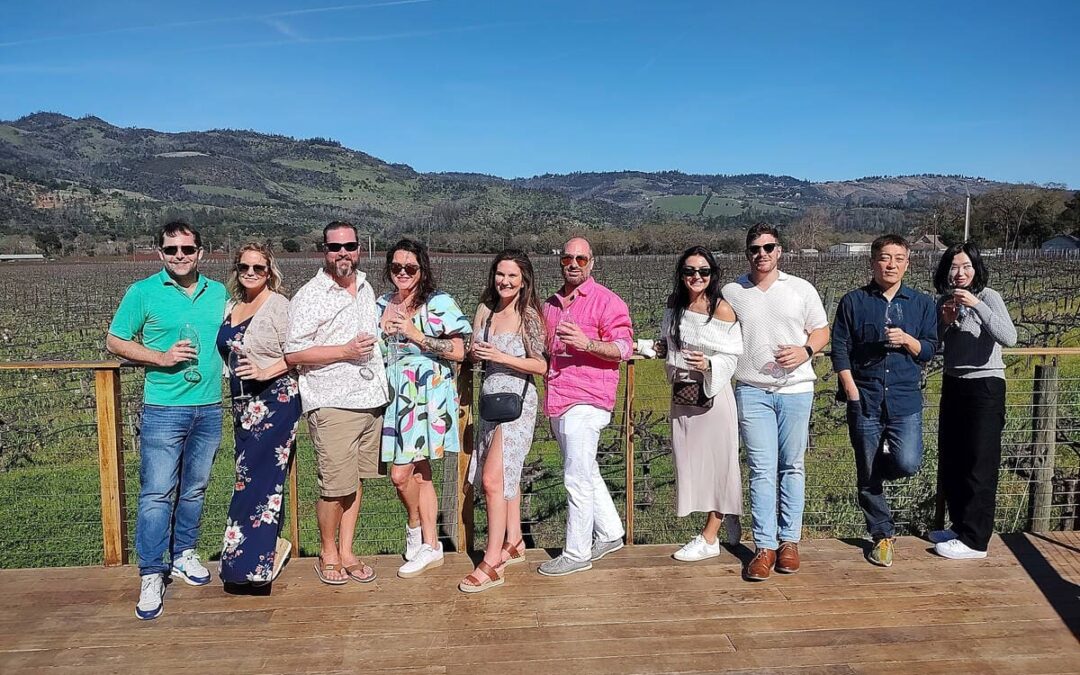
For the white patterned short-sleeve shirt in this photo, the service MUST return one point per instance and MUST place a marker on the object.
(322, 313)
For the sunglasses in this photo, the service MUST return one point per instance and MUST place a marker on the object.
(244, 268)
(703, 272)
(349, 246)
(755, 249)
(408, 268)
(171, 250)
(581, 260)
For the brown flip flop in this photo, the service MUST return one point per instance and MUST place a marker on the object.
(362, 578)
(321, 568)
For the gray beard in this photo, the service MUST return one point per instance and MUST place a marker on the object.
(332, 269)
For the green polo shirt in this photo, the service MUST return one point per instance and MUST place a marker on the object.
(152, 312)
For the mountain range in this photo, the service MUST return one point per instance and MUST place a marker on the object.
(60, 171)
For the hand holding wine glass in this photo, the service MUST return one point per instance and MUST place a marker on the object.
(894, 318)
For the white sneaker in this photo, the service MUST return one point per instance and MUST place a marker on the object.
(957, 550)
(427, 557)
(698, 549)
(414, 539)
(151, 597)
(189, 568)
(938, 536)
(732, 529)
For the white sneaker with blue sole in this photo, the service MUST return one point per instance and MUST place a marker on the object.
(189, 568)
(151, 597)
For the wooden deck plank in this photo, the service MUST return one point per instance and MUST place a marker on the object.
(637, 611)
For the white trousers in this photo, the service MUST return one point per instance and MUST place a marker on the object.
(589, 506)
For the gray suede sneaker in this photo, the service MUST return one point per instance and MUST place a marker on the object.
(560, 566)
(602, 548)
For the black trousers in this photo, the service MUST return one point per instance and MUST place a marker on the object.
(969, 451)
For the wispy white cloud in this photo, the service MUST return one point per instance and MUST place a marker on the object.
(285, 29)
(343, 39)
(210, 21)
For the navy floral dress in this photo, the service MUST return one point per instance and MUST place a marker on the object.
(264, 427)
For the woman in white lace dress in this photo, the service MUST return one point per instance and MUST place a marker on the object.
(701, 342)
(508, 339)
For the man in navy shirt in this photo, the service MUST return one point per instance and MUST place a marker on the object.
(883, 335)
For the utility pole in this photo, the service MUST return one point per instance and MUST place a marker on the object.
(967, 219)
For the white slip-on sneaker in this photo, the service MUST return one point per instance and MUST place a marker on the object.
(414, 539)
(698, 549)
(151, 597)
(732, 530)
(938, 536)
(189, 568)
(427, 558)
(955, 549)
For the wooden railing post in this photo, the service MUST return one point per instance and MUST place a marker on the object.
(1043, 441)
(628, 448)
(463, 541)
(111, 465)
(294, 505)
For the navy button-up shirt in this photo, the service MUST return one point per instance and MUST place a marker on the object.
(888, 379)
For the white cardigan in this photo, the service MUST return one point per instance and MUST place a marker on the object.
(720, 341)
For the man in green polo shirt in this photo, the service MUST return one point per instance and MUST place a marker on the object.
(168, 323)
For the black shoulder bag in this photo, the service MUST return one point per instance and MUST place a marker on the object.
(502, 406)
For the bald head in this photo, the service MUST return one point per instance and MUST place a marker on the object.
(577, 263)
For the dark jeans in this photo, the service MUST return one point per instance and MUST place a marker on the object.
(868, 434)
(969, 450)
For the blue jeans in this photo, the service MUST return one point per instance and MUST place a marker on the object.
(775, 429)
(177, 448)
(868, 434)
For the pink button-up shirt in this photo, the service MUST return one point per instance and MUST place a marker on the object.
(580, 377)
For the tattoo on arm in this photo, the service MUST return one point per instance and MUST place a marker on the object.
(609, 351)
(438, 346)
(534, 336)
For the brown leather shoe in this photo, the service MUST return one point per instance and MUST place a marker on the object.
(787, 557)
(762, 564)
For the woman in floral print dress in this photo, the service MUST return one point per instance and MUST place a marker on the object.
(265, 409)
(424, 332)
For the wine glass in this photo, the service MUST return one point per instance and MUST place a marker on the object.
(564, 318)
(365, 372)
(237, 354)
(191, 370)
(770, 366)
(894, 316)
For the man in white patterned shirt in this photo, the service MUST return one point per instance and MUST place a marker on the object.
(783, 325)
(333, 324)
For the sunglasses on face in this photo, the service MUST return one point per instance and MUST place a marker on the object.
(244, 268)
(581, 260)
(755, 249)
(349, 246)
(171, 250)
(408, 268)
(703, 272)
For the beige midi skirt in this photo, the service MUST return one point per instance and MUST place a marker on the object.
(705, 445)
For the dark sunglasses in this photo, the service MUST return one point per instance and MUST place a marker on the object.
(703, 272)
(171, 250)
(244, 268)
(755, 249)
(581, 260)
(349, 246)
(408, 268)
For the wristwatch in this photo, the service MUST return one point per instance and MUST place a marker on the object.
(809, 351)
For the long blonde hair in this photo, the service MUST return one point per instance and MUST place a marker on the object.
(274, 281)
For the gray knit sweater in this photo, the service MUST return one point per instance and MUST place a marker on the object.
(973, 344)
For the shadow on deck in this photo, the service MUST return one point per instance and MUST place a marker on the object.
(636, 611)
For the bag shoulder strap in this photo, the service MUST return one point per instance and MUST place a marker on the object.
(483, 371)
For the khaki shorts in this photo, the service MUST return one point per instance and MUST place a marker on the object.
(347, 444)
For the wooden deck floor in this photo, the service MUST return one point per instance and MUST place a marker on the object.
(637, 611)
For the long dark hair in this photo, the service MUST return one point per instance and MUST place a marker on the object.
(425, 288)
(978, 282)
(679, 299)
(528, 296)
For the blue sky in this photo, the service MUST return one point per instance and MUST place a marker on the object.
(817, 90)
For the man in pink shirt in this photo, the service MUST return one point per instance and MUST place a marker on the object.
(588, 334)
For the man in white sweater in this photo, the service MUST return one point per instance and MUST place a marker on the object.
(783, 325)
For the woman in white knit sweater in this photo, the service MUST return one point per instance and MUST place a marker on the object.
(701, 342)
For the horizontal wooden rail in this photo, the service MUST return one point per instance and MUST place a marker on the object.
(63, 365)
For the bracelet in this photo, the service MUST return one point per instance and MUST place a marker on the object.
(589, 346)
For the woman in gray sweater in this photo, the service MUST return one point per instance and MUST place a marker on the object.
(974, 324)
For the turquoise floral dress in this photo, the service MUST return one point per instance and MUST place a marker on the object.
(421, 420)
